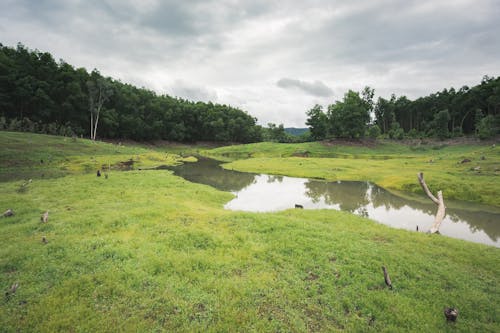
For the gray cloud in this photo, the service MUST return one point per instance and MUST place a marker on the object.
(232, 51)
(316, 88)
(192, 92)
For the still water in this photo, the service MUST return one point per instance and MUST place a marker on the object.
(267, 193)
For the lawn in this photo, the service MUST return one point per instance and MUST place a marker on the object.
(146, 251)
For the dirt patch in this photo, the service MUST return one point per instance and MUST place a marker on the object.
(471, 140)
(166, 143)
(370, 143)
(301, 153)
(122, 166)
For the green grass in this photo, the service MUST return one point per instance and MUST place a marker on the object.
(26, 155)
(390, 165)
(146, 251)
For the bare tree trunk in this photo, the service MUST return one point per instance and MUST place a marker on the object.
(386, 277)
(99, 91)
(441, 212)
(96, 122)
(91, 108)
(100, 102)
(91, 124)
(463, 119)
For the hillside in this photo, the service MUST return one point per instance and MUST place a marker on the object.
(296, 131)
(144, 250)
(38, 94)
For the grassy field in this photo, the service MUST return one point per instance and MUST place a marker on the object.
(25, 156)
(146, 251)
(389, 165)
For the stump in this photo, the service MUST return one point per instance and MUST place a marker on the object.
(451, 314)
(45, 217)
(8, 212)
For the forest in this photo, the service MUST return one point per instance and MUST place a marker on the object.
(445, 114)
(38, 94)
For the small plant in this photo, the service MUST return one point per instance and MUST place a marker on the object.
(374, 131)
(23, 188)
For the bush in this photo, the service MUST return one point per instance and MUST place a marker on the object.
(413, 133)
(374, 131)
(396, 132)
(15, 125)
(441, 120)
(28, 126)
(487, 127)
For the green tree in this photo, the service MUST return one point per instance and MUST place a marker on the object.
(442, 119)
(276, 133)
(317, 122)
(488, 127)
(384, 113)
(350, 117)
(374, 131)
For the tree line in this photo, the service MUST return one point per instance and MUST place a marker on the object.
(445, 114)
(38, 94)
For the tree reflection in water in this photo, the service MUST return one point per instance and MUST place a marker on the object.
(273, 193)
(363, 198)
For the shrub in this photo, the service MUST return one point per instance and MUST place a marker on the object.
(396, 132)
(374, 131)
(487, 127)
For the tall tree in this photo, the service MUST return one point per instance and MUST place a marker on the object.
(384, 113)
(349, 118)
(317, 122)
(442, 119)
(99, 91)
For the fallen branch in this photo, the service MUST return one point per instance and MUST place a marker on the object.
(441, 212)
(386, 277)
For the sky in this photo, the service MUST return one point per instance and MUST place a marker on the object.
(272, 59)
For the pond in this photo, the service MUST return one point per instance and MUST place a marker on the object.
(268, 193)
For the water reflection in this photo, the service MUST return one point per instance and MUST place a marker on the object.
(207, 171)
(265, 193)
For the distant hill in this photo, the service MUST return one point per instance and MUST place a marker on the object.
(296, 131)
(39, 94)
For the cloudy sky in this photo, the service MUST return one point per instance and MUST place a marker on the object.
(273, 59)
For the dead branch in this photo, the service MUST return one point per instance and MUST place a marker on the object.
(12, 290)
(386, 277)
(426, 189)
(441, 212)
